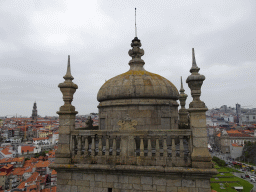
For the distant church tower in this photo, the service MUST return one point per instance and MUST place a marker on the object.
(34, 112)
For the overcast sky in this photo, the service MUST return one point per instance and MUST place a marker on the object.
(36, 38)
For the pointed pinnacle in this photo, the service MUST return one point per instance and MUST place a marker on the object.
(181, 87)
(181, 82)
(68, 74)
(194, 68)
(193, 59)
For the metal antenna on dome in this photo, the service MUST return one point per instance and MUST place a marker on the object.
(135, 24)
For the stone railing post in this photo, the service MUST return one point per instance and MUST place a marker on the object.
(79, 145)
(100, 145)
(200, 156)
(86, 146)
(107, 146)
(149, 147)
(93, 146)
(157, 147)
(165, 154)
(114, 146)
(67, 115)
(141, 146)
(173, 147)
(181, 147)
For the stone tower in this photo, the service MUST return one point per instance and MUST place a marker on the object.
(138, 146)
(34, 112)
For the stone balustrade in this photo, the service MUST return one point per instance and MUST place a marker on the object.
(170, 148)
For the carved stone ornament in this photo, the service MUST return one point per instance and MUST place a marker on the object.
(127, 124)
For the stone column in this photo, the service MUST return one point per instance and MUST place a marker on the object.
(200, 156)
(67, 115)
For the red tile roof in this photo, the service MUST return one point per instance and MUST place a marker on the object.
(33, 177)
(27, 148)
(236, 145)
(54, 172)
(41, 138)
(21, 186)
(43, 164)
(6, 151)
(238, 135)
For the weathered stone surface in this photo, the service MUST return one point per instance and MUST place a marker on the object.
(83, 189)
(112, 178)
(108, 185)
(204, 190)
(73, 188)
(149, 187)
(101, 177)
(137, 187)
(175, 182)
(134, 180)
(126, 186)
(200, 132)
(82, 183)
(193, 189)
(146, 180)
(202, 183)
(159, 181)
(200, 142)
(64, 175)
(123, 179)
(171, 189)
(183, 189)
(161, 188)
(188, 183)
(77, 176)
(63, 188)
(88, 176)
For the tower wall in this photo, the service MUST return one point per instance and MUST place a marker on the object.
(150, 114)
(104, 181)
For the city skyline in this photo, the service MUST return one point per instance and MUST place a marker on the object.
(37, 37)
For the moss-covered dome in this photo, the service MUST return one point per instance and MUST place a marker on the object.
(137, 82)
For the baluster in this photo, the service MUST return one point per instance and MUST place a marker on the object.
(82, 144)
(135, 148)
(141, 146)
(189, 145)
(79, 146)
(114, 146)
(165, 147)
(173, 147)
(73, 145)
(93, 146)
(181, 147)
(157, 147)
(100, 145)
(86, 146)
(107, 146)
(149, 147)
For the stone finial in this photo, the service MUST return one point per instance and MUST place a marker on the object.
(195, 81)
(182, 90)
(182, 96)
(136, 53)
(68, 88)
(183, 112)
(194, 67)
(68, 75)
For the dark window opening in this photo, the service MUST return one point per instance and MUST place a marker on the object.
(109, 189)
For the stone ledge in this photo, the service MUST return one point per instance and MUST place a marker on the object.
(137, 169)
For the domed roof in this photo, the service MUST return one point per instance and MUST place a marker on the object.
(137, 82)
